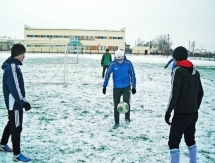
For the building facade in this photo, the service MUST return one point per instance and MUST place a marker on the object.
(4, 45)
(89, 41)
(145, 49)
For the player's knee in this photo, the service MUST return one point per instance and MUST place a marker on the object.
(190, 142)
(16, 130)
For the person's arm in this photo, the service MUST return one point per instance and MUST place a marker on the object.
(170, 61)
(14, 85)
(200, 95)
(175, 92)
(107, 75)
(132, 75)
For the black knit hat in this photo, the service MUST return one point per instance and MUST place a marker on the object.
(180, 53)
(17, 49)
(107, 50)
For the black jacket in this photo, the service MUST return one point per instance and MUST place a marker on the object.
(187, 92)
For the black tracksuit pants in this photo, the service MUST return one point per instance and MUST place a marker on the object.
(104, 69)
(117, 93)
(182, 124)
(13, 128)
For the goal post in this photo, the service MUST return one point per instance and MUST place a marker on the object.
(47, 46)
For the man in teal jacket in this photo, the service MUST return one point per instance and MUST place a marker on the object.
(106, 59)
(123, 79)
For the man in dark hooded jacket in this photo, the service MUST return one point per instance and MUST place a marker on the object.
(185, 99)
(14, 96)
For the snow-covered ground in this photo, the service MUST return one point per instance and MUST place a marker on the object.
(74, 124)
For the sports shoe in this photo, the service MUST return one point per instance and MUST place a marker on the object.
(5, 148)
(116, 126)
(21, 157)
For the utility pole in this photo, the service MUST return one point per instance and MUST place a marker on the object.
(189, 45)
(193, 46)
(168, 45)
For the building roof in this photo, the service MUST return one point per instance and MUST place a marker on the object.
(3, 40)
(108, 30)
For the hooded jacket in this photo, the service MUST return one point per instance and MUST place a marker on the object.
(123, 74)
(13, 84)
(187, 92)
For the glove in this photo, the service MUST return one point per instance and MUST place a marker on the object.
(165, 66)
(104, 90)
(167, 116)
(133, 91)
(27, 106)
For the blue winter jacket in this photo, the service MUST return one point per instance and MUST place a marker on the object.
(123, 74)
(13, 84)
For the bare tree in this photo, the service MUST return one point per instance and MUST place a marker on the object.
(139, 42)
(164, 44)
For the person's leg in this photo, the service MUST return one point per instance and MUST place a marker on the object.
(6, 133)
(175, 155)
(116, 100)
(189, 137)
(126, 98)
(176, 131)
(16, 117)
(192, 153)
(103, 72)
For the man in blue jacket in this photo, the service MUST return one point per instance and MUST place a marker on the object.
(123, 79)
(14, 96)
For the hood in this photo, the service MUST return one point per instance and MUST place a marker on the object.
(9, 61)
(187, 64)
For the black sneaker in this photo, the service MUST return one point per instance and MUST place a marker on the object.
(116, 126)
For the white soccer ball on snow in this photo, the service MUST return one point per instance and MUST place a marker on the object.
(122, 107)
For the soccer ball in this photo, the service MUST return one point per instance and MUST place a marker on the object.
(122, 107)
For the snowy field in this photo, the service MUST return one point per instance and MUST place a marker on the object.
(74, 124)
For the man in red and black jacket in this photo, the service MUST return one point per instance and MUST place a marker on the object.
(185, 99)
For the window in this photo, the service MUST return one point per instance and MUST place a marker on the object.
(115, 48)
(77, 38)
(118, 38)
(102, 37)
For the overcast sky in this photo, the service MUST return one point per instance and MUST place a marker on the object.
(183, 20)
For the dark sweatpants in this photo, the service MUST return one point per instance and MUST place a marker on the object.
(182, 124)
(104, 68)
(117, 93)
(13, 128)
